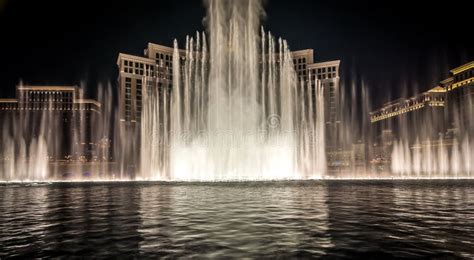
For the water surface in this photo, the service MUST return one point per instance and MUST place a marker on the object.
(331, 219)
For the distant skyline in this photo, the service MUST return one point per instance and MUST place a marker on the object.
(385, 42)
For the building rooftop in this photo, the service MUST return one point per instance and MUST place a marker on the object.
(122, 56)
(462, 68)
(75, 89)
(48, 88)
(447, 81)
(399, 106)
(437, 89)
(325, 64)
(8, 100)
(303, 52)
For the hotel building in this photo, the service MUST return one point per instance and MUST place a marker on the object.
(156, 65)
(417, 118)
(328, 73)
(433, 98)
(59, 112)
(442, 113)
(448, 106)
(460, 98)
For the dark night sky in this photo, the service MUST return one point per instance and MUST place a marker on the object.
(385, 42)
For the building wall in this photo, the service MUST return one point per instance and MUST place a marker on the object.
(421, 116)
(133, 70)
(460, 99)
(301, 60)
(137, 74)
(59, 114)
(438, 115)
(329, 75)
(156, 66)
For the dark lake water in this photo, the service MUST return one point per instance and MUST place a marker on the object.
(328, 219)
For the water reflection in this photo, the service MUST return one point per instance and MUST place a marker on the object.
(400, 219)
(443, 215)
(22, 220)
(221, 220)
(283, 219)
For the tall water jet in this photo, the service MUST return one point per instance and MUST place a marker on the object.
(25, 137)
(235, 109)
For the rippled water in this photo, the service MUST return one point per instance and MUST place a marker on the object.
(333, 219)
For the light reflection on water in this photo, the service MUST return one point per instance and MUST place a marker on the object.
(283, 219)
